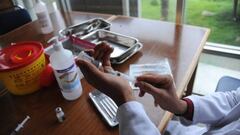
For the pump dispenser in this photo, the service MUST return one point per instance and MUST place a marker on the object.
(65, 71)
(57, 46)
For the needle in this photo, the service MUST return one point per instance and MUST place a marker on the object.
(117, 73)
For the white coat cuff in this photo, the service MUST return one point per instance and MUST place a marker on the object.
(132, 106)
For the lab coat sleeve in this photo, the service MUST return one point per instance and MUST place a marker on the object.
(212, 108)
(133, 120)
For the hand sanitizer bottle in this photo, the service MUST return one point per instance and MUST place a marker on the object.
(43, 17)
(65, 71)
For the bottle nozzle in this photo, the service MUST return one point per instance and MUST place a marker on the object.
(57, 45)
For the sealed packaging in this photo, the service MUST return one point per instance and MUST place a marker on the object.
(161, 67)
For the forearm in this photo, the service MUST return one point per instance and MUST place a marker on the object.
(212, 108)
(188, 109)
(134, 121)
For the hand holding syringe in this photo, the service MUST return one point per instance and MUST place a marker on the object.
(86, 57)
(126, 77)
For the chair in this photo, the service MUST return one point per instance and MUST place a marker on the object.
(227, 83)
(13, 18)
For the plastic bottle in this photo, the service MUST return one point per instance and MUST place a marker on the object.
(57, 18)
(65, 71)
(43, 17)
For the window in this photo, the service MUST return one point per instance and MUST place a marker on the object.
(216, 15)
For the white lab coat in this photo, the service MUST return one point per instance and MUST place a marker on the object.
(134, 121)
(220, 111)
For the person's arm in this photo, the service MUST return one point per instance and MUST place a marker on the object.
(211, 109)
(163, 90)
(131, 115)
(133, 120)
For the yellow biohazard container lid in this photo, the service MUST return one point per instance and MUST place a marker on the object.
(20, 55)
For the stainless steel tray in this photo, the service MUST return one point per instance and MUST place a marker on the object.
(95, 31)
(106, 106)
(124, 46)
(86, 27)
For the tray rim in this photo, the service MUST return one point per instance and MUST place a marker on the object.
(84, 22)
(131, 54)
(114, 33)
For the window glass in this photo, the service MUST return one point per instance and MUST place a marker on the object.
(217, 15)
(159, 9)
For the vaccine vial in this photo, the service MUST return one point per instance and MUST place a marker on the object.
(60, 114)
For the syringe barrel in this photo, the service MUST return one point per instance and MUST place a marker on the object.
(84, 56)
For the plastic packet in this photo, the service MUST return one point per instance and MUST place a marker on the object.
(161, 67)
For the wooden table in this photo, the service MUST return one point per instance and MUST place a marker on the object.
(182, 46)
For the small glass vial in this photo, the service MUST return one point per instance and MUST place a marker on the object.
(84, 56)
(60, 114)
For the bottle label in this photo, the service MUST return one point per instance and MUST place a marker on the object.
(43, 19)
(68, 79)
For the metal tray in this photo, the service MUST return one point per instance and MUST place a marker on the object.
(86, 27)
(124, 46)
(106, 106)
(95, 31)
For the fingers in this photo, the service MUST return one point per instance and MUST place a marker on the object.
(102, 53)
(146, 87)
(86, 67)
(96, 51)
(90, 52)
(100, 50)
(153, 78)
(106, 56)
(141, 93)
(90, 72)
(156, 80)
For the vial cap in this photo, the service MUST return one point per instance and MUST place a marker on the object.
(58, 109)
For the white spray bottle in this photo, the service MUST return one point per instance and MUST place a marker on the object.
(65, 70)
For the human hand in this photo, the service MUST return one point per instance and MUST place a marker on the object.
(115, 87)
(163, 90)
(102, 53)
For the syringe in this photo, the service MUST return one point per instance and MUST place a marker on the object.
(17, 129)
(126, 77)
(88, 58)
(84, 56)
